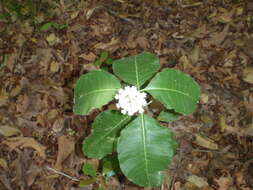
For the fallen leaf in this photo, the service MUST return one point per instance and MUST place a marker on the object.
(5, 181)
(65, 147)
(248, 75)
(11, 60)
(224, 183)
(26, 142)
(198, 181)
(3, 98)
(23, 103)
(8, 131)
(194, 55)
(89, 57)
(204, 98)
(205, 142)
(58, 125)
(230, 129)
(109, 45)
(54, 67)
(143, 42)
(15, 91)
(218, 38)
(52, 39)
(3, 164)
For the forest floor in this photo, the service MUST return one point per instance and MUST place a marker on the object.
(210, 40)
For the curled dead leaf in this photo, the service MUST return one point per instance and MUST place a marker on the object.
(8, 131)
(198, 181)
(65, 147)
(248, 75)
(26, 142)
(205, 142)
(3, 164)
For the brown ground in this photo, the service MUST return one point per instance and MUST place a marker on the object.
(210, 40)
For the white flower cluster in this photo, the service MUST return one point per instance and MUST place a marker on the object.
(130, 100)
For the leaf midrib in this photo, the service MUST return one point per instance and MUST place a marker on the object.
(144, 148)
(168, 89)
(97, 91)
(136, 73)
(109, 132)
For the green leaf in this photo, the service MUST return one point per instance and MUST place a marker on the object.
(94, 90)
(103, 56)
(145, 149)
(110, 166)
(175, 90)
(86, 182)
(98, 62)
(106, 129)
(136, 70)
(46, 26)
(168, 116)
(59, 26)
(88, 169)
(109, 61)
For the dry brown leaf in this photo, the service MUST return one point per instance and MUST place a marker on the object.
(52, 39)
(109, 45)
(12, 60)
(184, 61)
(23, 103)
(248, 75)
(198, 181)
(58, 125)
(89, 57)
(240, 180)
(54, 67)
(224, 183)
(204, 98)
(230, 129)
(205, 142)
(194, 55)
(65, 147)
(15, 91)
(218, 38)
(3, 164)
(8, 131)
(3, 98)
(143, 42)
(5, 181)
(26, 142)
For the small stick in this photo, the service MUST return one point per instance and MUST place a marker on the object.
(192, 5)
(61, 173)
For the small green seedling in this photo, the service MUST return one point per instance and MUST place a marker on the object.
(103, 58)
(49, 25)
(110, 168)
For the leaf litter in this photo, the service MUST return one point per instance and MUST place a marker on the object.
(210, 40)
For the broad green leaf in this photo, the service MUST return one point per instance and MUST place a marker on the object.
(136, 70)
(94, 90)
(145, 149)
(175, 90)
(89, 169)
(168, 116)
(106, 129)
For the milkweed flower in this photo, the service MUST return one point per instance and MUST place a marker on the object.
(130, 100)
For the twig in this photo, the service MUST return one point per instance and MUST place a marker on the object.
(61, 173)
(192, 5)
